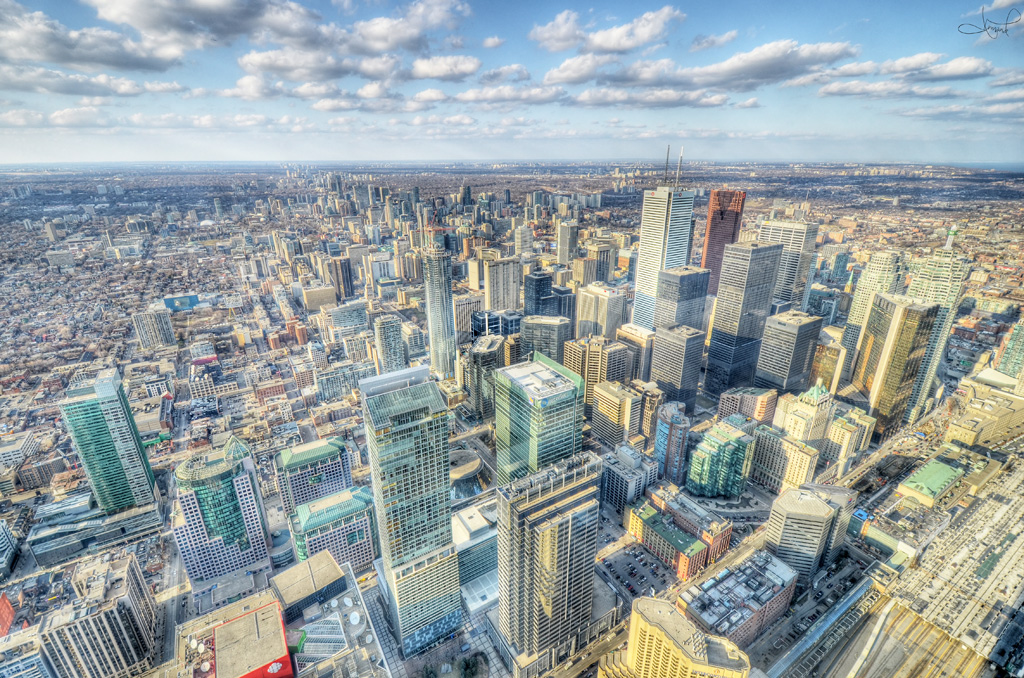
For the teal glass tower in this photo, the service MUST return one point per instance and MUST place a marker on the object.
(100, 422)
(720, 464)
(538, 416)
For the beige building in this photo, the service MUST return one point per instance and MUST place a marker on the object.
(780, 461)
(316, 298)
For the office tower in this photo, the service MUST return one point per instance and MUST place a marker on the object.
(584, 271)
(108, 630)
(341, 523)
(640, 342)
(890, 352)
(756, 403)
(339, 270)
(798, 240)
(670, 442)
(99, 420)
(502, 282)
(596, 359)
(843, 501)
(651, 398)
(437, 277)
(725, 216)
(219, 523)
(485, 356)
(681, 294)
(312, 471)
(538, 416)
(600, 310)
(829, 356)
(604, 255)
(523, 239)
(883, 274)
(663, 643)
(805, 417)
(787, 351)
(666, 238)
(798, 531)
(547, 542)
(781, 462)
(565, 306)
(153, 328)
(387, 333)
(849, 435)
(513, 349)
(463, 308)
(616, 412)
(720, 464)
(675, 363)
(939, 281)
(566, 246)
(407, 424)
(545, 334)
(537, 299)
(627, 475)
(745, 291)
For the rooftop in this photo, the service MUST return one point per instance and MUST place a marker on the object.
(309, 453)
(386, 409)
(303, 579)
(331, 508)
(700, 647)
(932, 479)
(679, 540)
(538, 379)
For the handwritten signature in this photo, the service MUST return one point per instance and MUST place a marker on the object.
(991, 28)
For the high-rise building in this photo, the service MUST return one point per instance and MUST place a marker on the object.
(596, 359)
(341, 523)
(606, 257)
(720, 463)
(675, 363)
(616, 412)
(627, 475)
(523, 240)
(890, 353)
(387, 333)
(437, 277)
(666, 238)
(843, 501)
(153, 328)
(407, 424)
(340, 271)
(670, 442)
(312, 471)
(663, 643)
(484, 357)
(725, 215)
(883, 274)
(463, 308)
(756, 403)
(787, 351)
(600, 310)
(651, 398)
(939, 280)
(805, 417)
(99, 419)
(538, 417)
(545, 334)
(548, 524)
(798, 241)
(219, 523)
(503, 279)
(565, 306)
(537, 298)
(743, 305)
(584, 271)
(681, 295)
(829, 357)
(108, 630)
(567, 243)
(798, 531)
(640, 342)
(780, 461)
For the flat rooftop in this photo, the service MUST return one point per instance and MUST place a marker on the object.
(249, 642)
(701, 648)
(665, 529)
(303, 579)
(538, 380)
(932, 479)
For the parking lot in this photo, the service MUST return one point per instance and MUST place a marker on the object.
(632, 569)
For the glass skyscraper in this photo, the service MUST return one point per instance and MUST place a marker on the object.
(437, 278)
(798, 240)
(720, 464)
(666, 238)
(884, 274)
(725, 215)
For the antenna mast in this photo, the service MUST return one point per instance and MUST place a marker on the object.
(679, 166)
(668, 151)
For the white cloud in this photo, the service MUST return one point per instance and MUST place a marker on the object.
(960, 68)
(253, 88)
(510, 73)
(461, 119)
(373, 90)
(1010, 111)
(163, 87)
(749, 103)
(646, 28)
(430, 96)
(578, 69)
(652, 98)
(48, 81)
(562, 33)
(511, 94)
(86, 116)
(886, 89)
(1009, 78)
(1008, 95)
(702, 42)
(911, 63)
(21, 118)
(493, 41)
(451, 68)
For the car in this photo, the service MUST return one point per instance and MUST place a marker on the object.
(829, 586)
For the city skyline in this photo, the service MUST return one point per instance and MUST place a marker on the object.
(446, 79)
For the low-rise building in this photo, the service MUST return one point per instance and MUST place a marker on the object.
(685, 554)
(694, 519)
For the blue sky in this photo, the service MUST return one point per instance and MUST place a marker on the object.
(351, 80)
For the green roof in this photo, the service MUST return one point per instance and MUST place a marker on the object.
(332, 508)
(394, 407)
(676, 538)
(309, 453)
(933, 478)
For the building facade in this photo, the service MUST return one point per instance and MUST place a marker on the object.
(666, 238)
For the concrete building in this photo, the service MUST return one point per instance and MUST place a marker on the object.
(475, 532)
(640, 342)
(798, 241)
(565, 306)
(616, 412)
(342, 523)
(755, 403)
(627, 475)
(316, 298)
(596, 360)
(484, 357)
(15, 448)
(681, 294)
(781, 462)
(829, 358)
(798, 531)
(567, 243)
(503, 281)
(600, 310)
(387, 333)
(153, 328)
(437, 278)
(651, 398)
(725, 216)
(666, 239)
(670, 442)
(463, 308)
(537, 297)
(843, 502)
(312, 471)
(545, 334)
(684, 553)
(694, 519)
(720, 464)
(787, 351)
(676, 361)
(806, 417)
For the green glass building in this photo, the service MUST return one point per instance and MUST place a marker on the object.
(101, 425)
(538, 408)
(720, 464)
(342, 523)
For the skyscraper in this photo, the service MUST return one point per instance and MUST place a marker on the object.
(798, 531)
(745, 292)
(523, 240)
(546, 334)
(640, 342)
(666, 238)
(798, 240)
(720, 464)
(485, 356)
(153, 328)
(725, 215)
(890, 352)
(596, 359)
(781, 461)
(503, 279)
(312, 471)
(437, 276)
(219, 522)
(843, 501)
(606, 256)
(884, 274)
(340, 271)
(538, 417)
(787, 351)
(756, 403)
(670, 442)
(407, 438)
(547, 542)
(463, 308)
(537, 298)
(565, 306)
(566, 247)
(940, 281)
(387, 333)
(616, 412)
(600, 310)
(681, 294)
(675, 363)
(99, 419)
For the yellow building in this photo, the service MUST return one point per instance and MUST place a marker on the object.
(663, 643)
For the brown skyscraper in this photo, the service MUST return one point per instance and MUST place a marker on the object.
(725, 211)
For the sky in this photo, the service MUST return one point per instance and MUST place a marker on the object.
(358, 80)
